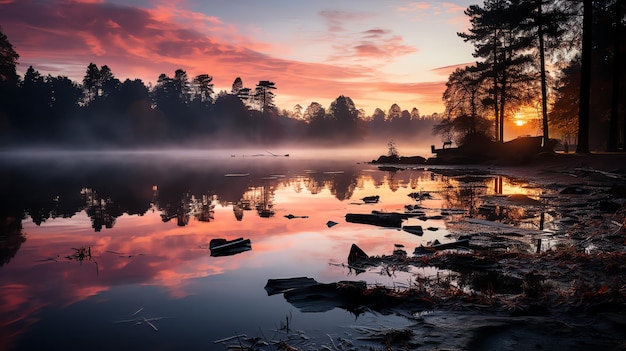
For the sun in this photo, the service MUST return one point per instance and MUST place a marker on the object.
(519, 122)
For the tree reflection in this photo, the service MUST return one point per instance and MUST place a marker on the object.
(106, 190)
(101, 211)
(463, 196)
(11, 238)
(259, 197)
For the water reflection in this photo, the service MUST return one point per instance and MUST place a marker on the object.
(11, 237)
(139, 232)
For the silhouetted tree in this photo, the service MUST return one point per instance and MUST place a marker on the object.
(564, 112)
(495, 33)
(8, 61)
(264, 96)
(394, 112)
(91, 83)
(344, 118)
(109, 85)
(585, 79)
(34, 103)
(315, 115)
(64, 99)
(465, 91)
(415, 113)
(203, 88)
(544, 22)
(297, 111)
(237, 85)
(182, 86)
(232, 118)
(9, 94)
(145, 124)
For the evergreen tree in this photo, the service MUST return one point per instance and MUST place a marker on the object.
(495, 32)
(8, 61)
(91, 83)
(264, 95)
(203, 88)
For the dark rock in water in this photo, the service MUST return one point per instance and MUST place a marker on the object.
(320, 297)
(279, 286)
(403, 160)
(353, 296)
(356, 254)
(414, 229)
(574, 190)
(308, 295)
(371, 199)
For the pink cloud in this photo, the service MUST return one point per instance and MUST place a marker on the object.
(422, 8)
(334, 19)
(454, 8)
(378, 44)
(65, 36)
(375, 33)
(415, 6)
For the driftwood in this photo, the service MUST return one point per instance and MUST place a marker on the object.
(223, 247)
(379, 219)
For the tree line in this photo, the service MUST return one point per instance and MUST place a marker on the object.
(560, 57)
(105, 111)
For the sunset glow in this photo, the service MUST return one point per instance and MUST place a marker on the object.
(377, 53)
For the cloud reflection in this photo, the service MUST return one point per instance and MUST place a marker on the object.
(140, 249)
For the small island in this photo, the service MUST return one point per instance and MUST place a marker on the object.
(476, 148)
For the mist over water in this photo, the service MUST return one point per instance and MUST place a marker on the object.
(364, 153)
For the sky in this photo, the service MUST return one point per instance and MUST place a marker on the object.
(376, 52)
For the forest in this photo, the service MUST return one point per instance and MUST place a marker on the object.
(103, 111)
(559, 58)
(563, 59)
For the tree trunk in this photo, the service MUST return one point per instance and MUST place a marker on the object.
(495, 87)
(585, 80)
(617, 75)
(542, 61)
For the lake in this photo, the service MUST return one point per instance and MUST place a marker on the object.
(110, 250)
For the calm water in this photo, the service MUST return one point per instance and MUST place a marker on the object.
(90, 240)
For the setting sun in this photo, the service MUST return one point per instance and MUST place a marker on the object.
(519, 122)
